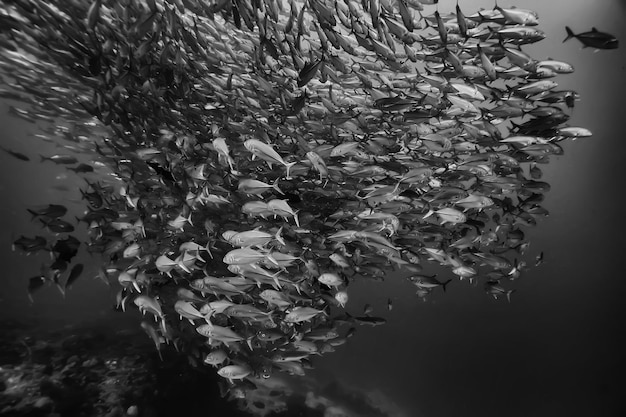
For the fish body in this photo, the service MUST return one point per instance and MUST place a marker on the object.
(593, 39)
(427, 282)
(15, 154)
(81, 168)
(57, 225)
(148, 304)
(370, 321)
(448, 215)
(254, 238)
(59, 159)
(51, 211)
(243, 256)
(179, 222)
(234, 372)
(30, 245)
(474, 201)
(339, 260)
(219, 333)
(276, 298)
(494, 289)
(342, 298)
(267, 153)
(300, 314)
(186, 309)
(215, 357)
(154, 336)
(517, 16)
(281, 208)
(330, 279)
(256, 187)
(74, 274)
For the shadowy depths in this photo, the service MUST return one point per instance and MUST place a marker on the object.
(87, 371)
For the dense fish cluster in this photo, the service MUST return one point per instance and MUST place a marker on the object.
(263, 154)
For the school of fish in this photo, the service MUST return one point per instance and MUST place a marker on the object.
(251, 158)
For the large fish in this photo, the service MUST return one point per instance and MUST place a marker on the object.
(593, 39)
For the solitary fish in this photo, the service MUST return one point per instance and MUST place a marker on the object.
(14, 154)
(593, 39)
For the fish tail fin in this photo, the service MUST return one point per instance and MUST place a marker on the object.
(508, 295)
(279, 237)
(424, 19)
(33, 214)
(270, 258)
(429, 213)
(42, 158)
(275, 185)
(570, 34)
(295, 218)
(61, 289)
(208, 249)
(445, 284)
(288, 166)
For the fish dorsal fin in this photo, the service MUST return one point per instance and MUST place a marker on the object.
(593, 29)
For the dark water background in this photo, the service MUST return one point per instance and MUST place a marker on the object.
(556, 350)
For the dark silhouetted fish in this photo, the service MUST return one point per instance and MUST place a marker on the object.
(593, 39)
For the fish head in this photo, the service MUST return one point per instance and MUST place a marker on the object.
(228, 235)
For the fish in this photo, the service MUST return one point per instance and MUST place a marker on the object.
(57, 225)
(517, 16)
(148, 304)
(73, 275)
(215, 357)
(81, 168)
(51, 211)
(255, 187)
(267, 153)
(34, 284)
(30, 245)
(342, 298)
(370, 321)
(593, 39)
(330, 279)
(60, 159)
(428, 282)
(158, 340)
(493, 288)
(448, 215)
(219, 333)
(15, 154)
(300, 314)
(308, 71)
